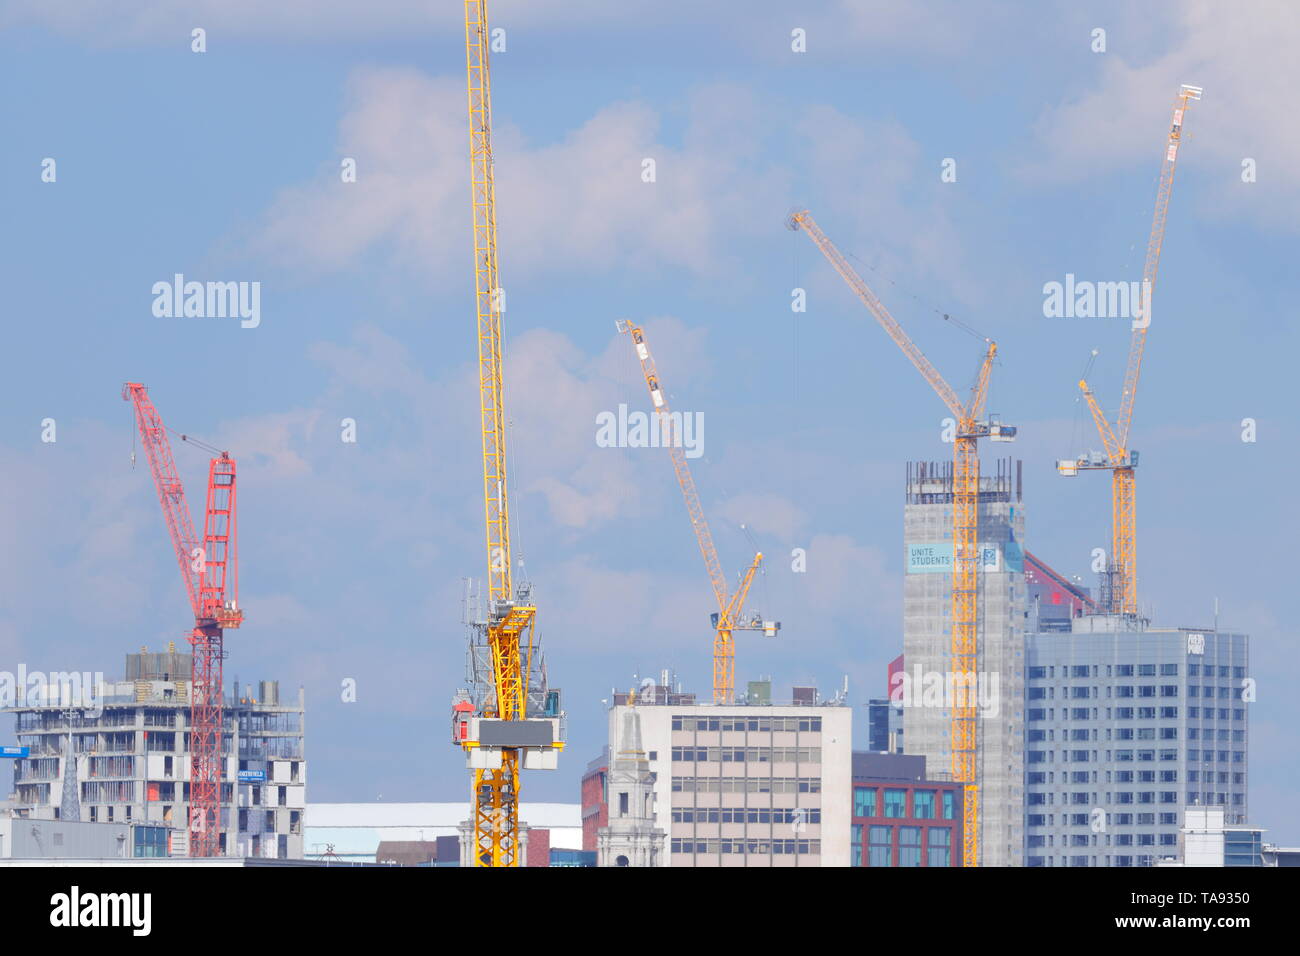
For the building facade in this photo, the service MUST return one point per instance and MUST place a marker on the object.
(595, 800)
(1126, 726)
(901, 818)
(927, 642)
(746, 785)
(630, 838)
(129, 762)
(884, 726)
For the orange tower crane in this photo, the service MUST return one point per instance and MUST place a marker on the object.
(501, 736)
(1120, 460)
(729, 617)
(210, 572)
(971, 426)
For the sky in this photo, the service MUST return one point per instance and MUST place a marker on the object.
(225, 165)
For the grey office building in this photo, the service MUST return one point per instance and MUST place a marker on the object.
(1126, 725)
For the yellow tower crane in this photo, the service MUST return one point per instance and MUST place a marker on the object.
(1120, 460)
(971, 426)
(728, 618)
(500, 736)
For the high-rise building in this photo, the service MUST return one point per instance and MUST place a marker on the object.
(129, 758)
(884, 726)
(1126, 726)
(927, 642)
(745, 784)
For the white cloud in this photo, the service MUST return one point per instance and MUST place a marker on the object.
(1243, 56)
(577, 206)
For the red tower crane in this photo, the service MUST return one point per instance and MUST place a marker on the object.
(210, 573)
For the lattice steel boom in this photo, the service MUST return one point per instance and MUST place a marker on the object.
(965, 646)
(730, 608)
(210, 573)
(510, 627)
(1120, 460)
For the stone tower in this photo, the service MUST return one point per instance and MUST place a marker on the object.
(631, 838)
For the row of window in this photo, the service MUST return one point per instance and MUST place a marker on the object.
(1114, 819)
(1142, 860)
(747, 754)
(749, 724)
(747, 815)
(747, 785)
(1035, 841)
(1121, 733)
(748, 847)
(901, 846)
(1119, 776)
(1082, 692)
(1083, 798)
(1135, 713)
(895, 804)
(1124, 797)
(1136, 670)
(1130, 756)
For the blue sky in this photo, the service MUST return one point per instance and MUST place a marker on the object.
(225, 165)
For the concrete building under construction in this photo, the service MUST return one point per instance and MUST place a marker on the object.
(126, 759)
(927, 642)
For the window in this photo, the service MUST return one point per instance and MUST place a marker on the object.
(895, 803)
(939, 846)
(879, 852)
(150, 841)
(864, 801)
(923, 804)
(909, 846)
(856, 853)
(949, 805)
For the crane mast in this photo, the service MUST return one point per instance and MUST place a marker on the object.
(728, 619)
(210, 573)
(965, 645)
(496, 753)
(1120, 460)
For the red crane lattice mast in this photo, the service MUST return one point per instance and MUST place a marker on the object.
(210, 573)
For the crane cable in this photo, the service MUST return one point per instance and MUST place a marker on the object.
(925, 304)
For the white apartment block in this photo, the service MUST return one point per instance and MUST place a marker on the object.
(130, 761)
